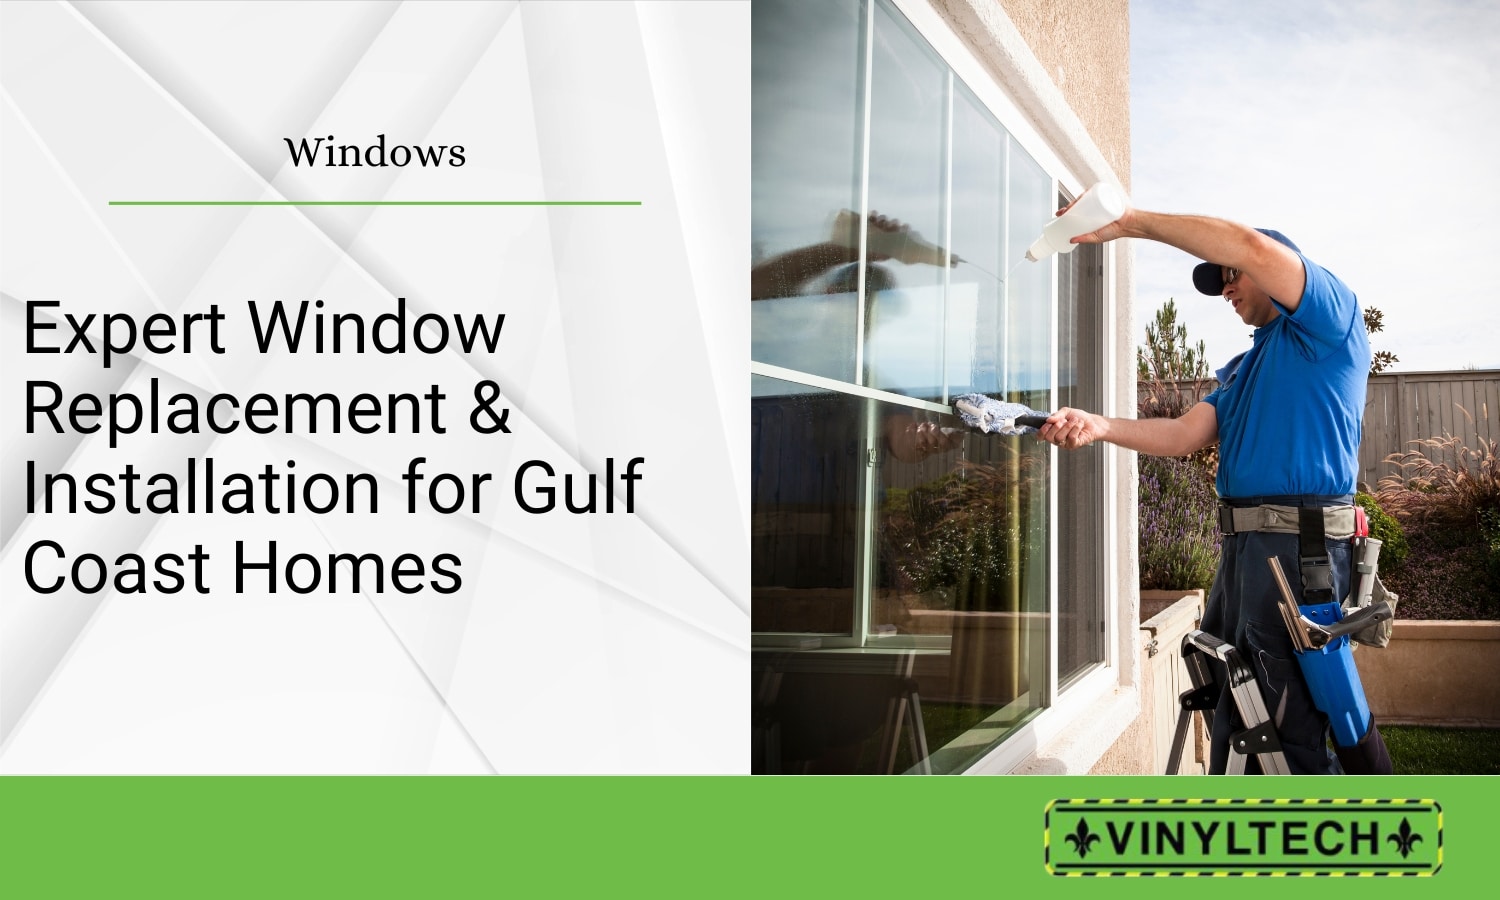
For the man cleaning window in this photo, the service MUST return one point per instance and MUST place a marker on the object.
(1287, 417)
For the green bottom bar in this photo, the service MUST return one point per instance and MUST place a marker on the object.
(604, 836)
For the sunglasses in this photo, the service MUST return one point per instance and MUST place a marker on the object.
(1230, 275)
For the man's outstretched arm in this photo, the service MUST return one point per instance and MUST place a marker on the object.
(1073, 428)
(1276, 268)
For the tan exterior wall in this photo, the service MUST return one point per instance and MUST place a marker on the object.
(1085, 47)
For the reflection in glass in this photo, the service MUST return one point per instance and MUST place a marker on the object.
(979, 143)
(1028, 294)
(901, 585)
(1080, 528)
(806, 139)
(908, 164)
(962, 564)
(808, 457)
(951, 655)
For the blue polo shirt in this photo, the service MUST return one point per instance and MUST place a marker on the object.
(1291, 407)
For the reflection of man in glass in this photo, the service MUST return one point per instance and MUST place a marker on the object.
(832, 267)
(787, 274)
(911, 438)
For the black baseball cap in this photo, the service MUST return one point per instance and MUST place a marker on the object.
(1208, 277)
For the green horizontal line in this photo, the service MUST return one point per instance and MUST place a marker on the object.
(374, 203)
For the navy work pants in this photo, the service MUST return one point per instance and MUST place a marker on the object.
(1242, 609)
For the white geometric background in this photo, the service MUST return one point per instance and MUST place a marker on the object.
(578, 643)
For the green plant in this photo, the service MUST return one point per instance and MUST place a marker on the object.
(1174, 376)
(1167, 355)
(1179, 539)
(1489, 533)
(1385, 528)
(1380, 360)
(966, 531)
(1446, 495)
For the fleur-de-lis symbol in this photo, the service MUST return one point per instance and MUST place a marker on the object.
(1404, 838)
(1082, 839)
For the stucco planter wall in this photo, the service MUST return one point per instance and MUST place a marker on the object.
(1165, 617)
(1435, 673)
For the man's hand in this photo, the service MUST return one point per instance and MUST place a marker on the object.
(1116, 229)
(1073, 428)
(1189, 432)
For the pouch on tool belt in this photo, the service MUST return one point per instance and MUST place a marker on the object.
(1365, 588)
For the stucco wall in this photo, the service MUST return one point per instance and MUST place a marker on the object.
(1084, 45)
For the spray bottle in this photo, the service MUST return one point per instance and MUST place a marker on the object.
(1101, 204)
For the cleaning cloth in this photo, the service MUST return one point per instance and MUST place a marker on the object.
(993, 416)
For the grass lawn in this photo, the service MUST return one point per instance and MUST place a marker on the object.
(1442, 751)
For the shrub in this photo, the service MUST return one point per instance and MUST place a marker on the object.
(1444, 575)
(961, 531)
(1179, 536)
(1173, 378)
(1489, 533)
(1179, 533)
(1385, 528)
(1447, 498)
(1462, 490)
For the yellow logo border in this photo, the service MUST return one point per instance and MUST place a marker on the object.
(1189, 803)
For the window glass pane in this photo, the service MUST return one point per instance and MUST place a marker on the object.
(908, 164)
(807, 448)
(961, 566)
(1027, 318)
(955, 657)
(1080, 528)
(807, 68)
(974, 350)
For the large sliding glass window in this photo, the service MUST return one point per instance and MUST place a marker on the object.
(905, 612)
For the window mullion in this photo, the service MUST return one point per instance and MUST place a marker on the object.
(864, 580)
(1054, 548)
(867, 85)
(946, 237)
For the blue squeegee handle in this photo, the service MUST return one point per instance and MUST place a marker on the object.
(1031, 421)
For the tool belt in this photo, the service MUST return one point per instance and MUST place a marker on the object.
(1338, 521)
(1312, 524)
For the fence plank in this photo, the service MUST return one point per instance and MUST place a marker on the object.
(1491, 414)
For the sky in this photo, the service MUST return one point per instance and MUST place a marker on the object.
(1367, 131)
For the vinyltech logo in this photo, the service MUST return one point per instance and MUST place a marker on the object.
(1277, 838)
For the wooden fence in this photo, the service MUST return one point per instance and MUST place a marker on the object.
(1405, 407)
(1413, 406)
